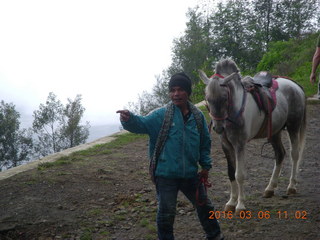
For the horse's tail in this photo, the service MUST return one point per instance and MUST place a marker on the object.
(225, 67)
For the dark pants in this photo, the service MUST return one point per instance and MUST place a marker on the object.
(167, 192)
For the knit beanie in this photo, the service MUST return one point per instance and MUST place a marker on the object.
(181, 80)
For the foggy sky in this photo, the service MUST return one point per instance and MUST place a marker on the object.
(107, 51)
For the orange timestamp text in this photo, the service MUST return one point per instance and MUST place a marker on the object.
(299, 214)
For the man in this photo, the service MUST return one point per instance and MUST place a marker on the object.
(315, 64)
(179, 141)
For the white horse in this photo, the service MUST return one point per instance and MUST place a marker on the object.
(238, 119)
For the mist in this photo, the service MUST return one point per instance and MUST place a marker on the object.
(107, 51)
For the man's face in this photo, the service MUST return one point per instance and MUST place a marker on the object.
(178, 96)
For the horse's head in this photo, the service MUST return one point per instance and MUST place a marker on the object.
(218, 97)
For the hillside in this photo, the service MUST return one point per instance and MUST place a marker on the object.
(293, 59)
(105, 193)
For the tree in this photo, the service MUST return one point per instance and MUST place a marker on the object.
(148, 101)
(263, 18)
(58, 127)
(299, 16)
(240, 29)
(15, 144)
(279, 20)
(72, 132)
(233, 32)
(46, 125)
(191, 49)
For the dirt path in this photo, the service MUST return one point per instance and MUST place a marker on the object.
(110, 196)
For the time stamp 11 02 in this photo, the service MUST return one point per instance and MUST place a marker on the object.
(246, 215)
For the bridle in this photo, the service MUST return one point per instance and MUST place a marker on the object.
(234, 117)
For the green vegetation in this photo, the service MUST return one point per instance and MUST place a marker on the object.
(86, 235)
(257, 35)
(99, 149)
(205, 112)
(95, 212)
(292, 59)
(144, 222)
(57, 127)
(15, 144)
(59, 162)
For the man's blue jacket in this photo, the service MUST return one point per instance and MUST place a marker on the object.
(183, 149)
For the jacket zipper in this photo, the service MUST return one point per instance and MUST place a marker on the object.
(183, 152)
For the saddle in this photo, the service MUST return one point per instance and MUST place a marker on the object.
(263, 79)
(263, 87)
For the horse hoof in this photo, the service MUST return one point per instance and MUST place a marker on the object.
(268, 194)
(291, 191)
(229, 208)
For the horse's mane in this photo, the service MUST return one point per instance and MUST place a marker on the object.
(226, 67)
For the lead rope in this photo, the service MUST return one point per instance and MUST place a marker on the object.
(202, 187)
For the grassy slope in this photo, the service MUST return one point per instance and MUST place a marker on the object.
(105, 148)
(292, 59)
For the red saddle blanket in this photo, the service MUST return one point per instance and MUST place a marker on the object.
(266, 101)
(265, 97)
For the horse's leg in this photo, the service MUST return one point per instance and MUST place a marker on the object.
(296, 154)
(240, 175)
(297, 132)
(280, 153)
(229, 153)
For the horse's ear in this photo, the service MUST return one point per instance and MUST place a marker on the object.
(204, 77)
(233, 76)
